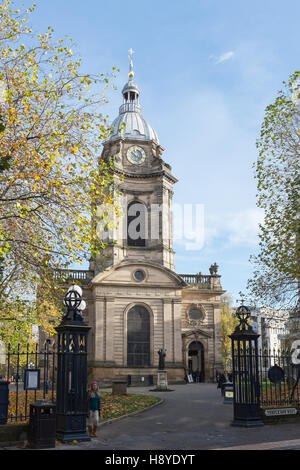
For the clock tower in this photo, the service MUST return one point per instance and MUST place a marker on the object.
(137, 305)
(142, 189)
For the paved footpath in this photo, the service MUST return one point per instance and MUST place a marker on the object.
(193, 416)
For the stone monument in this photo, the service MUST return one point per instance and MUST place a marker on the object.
(162, 379)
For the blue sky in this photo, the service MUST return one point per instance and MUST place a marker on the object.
(206, 70)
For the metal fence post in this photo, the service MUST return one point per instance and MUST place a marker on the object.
(246, 388)
(71, 396)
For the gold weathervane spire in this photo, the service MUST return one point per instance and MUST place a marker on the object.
(131, 72)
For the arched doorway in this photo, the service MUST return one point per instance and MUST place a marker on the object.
(196, 360)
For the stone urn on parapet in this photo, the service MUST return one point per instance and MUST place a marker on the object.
(162, 379)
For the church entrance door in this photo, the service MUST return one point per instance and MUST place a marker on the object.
(196, 361)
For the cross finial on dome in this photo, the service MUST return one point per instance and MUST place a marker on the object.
(131, 72)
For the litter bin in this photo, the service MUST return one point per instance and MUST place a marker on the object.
(42, 425)
(4, 394)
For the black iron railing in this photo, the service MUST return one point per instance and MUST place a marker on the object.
(19, 359)
(285, 391)
(278, 378)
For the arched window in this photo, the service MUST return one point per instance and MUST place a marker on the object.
(138, 337)
(136, 224)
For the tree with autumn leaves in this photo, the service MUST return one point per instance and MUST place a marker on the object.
(276, 280)
(52, 178)
(229, 321)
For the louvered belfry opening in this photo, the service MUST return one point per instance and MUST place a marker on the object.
(136, 224)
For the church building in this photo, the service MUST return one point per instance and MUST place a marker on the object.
(137, 303)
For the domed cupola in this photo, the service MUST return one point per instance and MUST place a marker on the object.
(130, 123)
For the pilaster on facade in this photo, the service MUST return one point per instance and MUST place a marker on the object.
(168, 330)
(109, 328)
(176, 312)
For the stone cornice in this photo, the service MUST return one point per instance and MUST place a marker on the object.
(146, 175)
(204, 290)
(121, 139)
(135, 286)
(136, 191)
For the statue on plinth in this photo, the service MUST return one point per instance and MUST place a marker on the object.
(162, 355)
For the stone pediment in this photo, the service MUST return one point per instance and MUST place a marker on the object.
(196, 333)
(150, 274)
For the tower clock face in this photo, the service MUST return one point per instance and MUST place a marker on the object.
(136, 155)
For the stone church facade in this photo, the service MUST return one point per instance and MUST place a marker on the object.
(137, 303)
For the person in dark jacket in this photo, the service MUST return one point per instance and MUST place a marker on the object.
(222, 380)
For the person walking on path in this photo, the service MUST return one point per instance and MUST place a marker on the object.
(222, 380)
(94, 409)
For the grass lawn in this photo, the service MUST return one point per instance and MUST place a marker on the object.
(112, 406)
(279, 396)
(272, 395)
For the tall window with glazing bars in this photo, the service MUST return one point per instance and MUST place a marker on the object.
(138, 337)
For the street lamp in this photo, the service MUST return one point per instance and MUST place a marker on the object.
(74, 303)
(246, 396)
(71, 398)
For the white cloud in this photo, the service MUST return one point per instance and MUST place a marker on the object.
(228, 229)
(238, 228)
(244, 226)
(223, 57)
